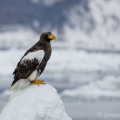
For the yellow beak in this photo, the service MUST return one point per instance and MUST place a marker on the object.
(52, 37)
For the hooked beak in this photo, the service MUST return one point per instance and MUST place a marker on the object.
(52, 37)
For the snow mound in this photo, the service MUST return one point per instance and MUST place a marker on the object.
(108, 88)
(35, 103)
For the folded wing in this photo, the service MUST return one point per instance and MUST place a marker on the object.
(28, 64)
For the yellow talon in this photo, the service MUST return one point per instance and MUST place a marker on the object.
(36, 81)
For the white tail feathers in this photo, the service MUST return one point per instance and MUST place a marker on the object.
(15, 86)
(19, 84)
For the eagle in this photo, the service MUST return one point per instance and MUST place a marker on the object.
(33, 62)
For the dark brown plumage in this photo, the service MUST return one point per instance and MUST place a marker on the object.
(26, 67)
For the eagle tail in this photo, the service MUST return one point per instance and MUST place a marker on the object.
(19, 84)
(14, 86)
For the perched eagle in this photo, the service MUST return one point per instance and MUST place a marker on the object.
(33, 62)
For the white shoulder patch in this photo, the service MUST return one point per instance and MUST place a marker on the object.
(37, 54)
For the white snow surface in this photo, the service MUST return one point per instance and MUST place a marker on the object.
(37, 54)
(65, 61)
(107, 88)
(96, 29)
(34, 103)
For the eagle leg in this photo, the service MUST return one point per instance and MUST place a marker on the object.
(36, 81)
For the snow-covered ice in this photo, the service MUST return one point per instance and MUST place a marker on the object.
(74, 61)
(97, 28)
(34, 103)
(94, 26)
(108, 88)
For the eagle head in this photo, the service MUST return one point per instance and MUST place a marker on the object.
(48, 36)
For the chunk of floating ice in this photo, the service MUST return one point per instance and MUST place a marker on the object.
(34, 103)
